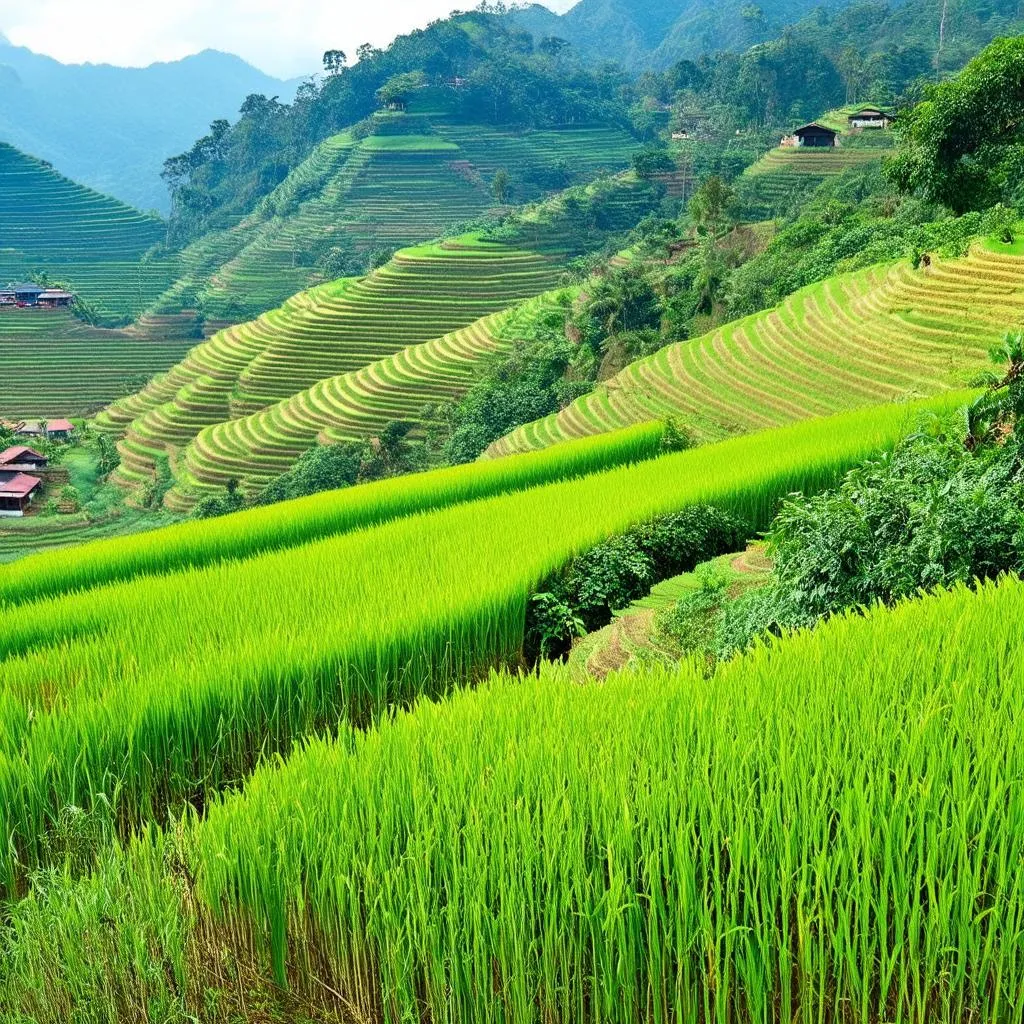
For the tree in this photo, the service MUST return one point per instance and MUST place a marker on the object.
(653, 160)
(501, 186)
(964, 145)
(400, 88)
(710, 203)
(335, 61)
(625, 300)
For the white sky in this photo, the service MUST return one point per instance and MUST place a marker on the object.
(283, 37)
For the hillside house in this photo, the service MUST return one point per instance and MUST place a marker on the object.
(33, 296)
(870, 117)
(26, 294)
(815, 136)
(17, 492)
(55, 430)
(20, 459)
(55, 298)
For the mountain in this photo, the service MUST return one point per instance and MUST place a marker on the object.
(660, 32)
(112, 128)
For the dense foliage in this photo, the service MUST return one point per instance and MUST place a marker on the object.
(946, 506)
(582, 596)
(503, 79)
(964, 145)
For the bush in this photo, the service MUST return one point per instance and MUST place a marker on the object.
(322, 468)
(611, 575)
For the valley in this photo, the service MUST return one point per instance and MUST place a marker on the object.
(531, 534)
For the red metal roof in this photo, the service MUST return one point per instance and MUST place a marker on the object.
(52, 425)
(18, 452)
(19, 486)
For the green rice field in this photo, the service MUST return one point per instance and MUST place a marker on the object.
(883, 334)
(135, 694)
(825, 829)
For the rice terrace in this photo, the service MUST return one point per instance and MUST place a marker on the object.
(528, 529)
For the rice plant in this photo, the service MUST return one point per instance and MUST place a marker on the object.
(829, 829)
(130, 697)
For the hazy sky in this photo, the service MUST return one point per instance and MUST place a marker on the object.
(283, 37)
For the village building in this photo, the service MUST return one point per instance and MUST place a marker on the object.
(870, 117)
(55, 298)
(35, 296)
(17, 491)
(815, 136)
(55, 430)
(20, 459)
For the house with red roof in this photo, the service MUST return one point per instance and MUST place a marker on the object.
(55, 430)
(20, 459)
(17, 491)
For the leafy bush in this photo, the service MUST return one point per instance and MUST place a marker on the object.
(322, 468)
(585, 593)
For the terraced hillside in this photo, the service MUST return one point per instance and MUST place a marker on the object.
(787, 171)
(56, 365)
(425, 293)
(413, 179)
(348, 407)
(877, 335)
(91, 242)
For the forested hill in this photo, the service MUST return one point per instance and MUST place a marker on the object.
(112, 128)
(658, 33)
(492, 72)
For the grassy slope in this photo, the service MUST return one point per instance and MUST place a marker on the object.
(56, 365)
(527, 822)
(419, 175)
(424, 293)
(882, 334)
(92, 242)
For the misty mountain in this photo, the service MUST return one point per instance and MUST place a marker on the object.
(112, 128)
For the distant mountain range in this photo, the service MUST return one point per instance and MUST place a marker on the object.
(112, 128)
(639, 33)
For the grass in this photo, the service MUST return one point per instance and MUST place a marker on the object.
(883, 334)
(131, 697)
(826, 830)
(247, 534)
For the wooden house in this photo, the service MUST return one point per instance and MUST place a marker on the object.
(17, 491)
(55, 298)
(55, 430)
(870, 117)
(20, 459)
(816, 136)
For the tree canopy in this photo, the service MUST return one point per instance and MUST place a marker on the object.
(964, 145)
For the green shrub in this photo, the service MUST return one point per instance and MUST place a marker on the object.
(611, 575)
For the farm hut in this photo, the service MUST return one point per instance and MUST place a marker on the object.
(20, 459)
(17, 491)
(816, 136)
(870, 117)
(55, 430)
(55, 298)
(26, 294)
(7, 297)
